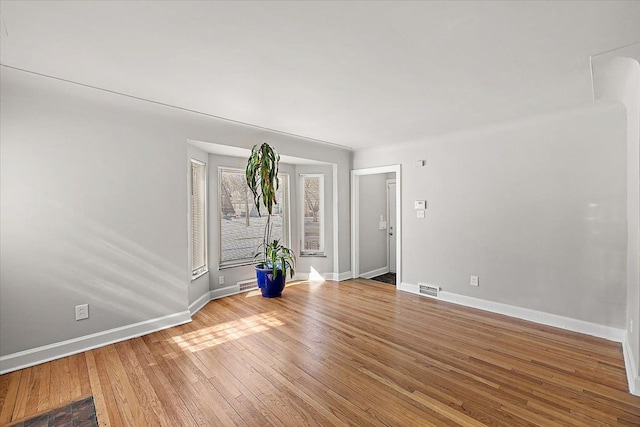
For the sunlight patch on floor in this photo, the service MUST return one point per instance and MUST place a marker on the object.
(315, 279)
(228, 331)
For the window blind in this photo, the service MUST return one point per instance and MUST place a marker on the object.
(198, 218)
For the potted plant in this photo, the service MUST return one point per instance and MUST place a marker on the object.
(262, 179)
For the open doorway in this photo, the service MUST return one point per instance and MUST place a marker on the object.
(391, 215)
(376, 224)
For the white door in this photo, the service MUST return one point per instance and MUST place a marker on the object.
(391, 214)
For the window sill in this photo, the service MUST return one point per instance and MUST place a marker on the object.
(238, 264)
(199, 275)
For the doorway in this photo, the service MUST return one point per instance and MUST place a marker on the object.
(376, 223)
(391, 215)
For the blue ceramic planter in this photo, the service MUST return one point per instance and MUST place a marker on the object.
(270, 286)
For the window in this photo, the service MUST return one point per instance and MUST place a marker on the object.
(312, 187)
(198, 218)
(241, 229)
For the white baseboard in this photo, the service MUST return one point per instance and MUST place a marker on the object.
(329, 276)
(335, 277)
(375, 273)
(326, 276)
(581, 326)
(197, 305)
(35, 356)
(632, 373)
(224, 292)
(344, 276)
(593, 329)
(409, 287)
(227, 291)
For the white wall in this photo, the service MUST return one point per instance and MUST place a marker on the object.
(93, 206)
(372, 245)
(535, 207)
(83, 220)
(618, 78)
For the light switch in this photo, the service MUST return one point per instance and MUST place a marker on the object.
(382, 225)
(420, 204)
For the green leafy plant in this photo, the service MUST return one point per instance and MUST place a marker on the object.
(262, 179)
(279, 257)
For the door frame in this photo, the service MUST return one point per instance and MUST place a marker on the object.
(355, 213)
(387, 184)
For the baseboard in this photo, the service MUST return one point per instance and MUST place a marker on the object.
(224, 292)
(632, 373)
(344, 276)
(338, 277)
(307, 276)
(235, 289)
(197, 305)
(544, 318)
(35, 356)
(409, 287)
(375, 273)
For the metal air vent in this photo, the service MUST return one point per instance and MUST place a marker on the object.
(247, 285)
(429, 290)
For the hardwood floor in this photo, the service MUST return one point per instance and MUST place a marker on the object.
(354, 353)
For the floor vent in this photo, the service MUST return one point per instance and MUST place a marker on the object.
(429, 290)
(247, 285)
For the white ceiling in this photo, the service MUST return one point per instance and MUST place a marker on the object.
(356, 74)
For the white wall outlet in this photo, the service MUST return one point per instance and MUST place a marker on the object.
(420, 163)
(382, 225)
(420, 204)
(420, 214)
(475, 281)
(220, 280)
(82, 311)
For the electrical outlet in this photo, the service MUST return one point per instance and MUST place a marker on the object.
(420, 214)
(220, 280)
(82, 311)
(475, 281)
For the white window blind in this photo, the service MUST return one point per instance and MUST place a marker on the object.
(198, 218)
(312, 188)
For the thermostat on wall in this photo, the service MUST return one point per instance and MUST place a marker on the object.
(420, 204)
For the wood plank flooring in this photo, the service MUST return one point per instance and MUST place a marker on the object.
(354, 353)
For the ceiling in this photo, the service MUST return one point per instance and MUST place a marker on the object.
(356, 74)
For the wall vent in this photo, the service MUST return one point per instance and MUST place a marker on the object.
(247, 285)
(429, 290)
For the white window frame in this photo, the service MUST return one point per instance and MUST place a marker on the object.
(286, 223)
(321, 250)
(203, 269)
